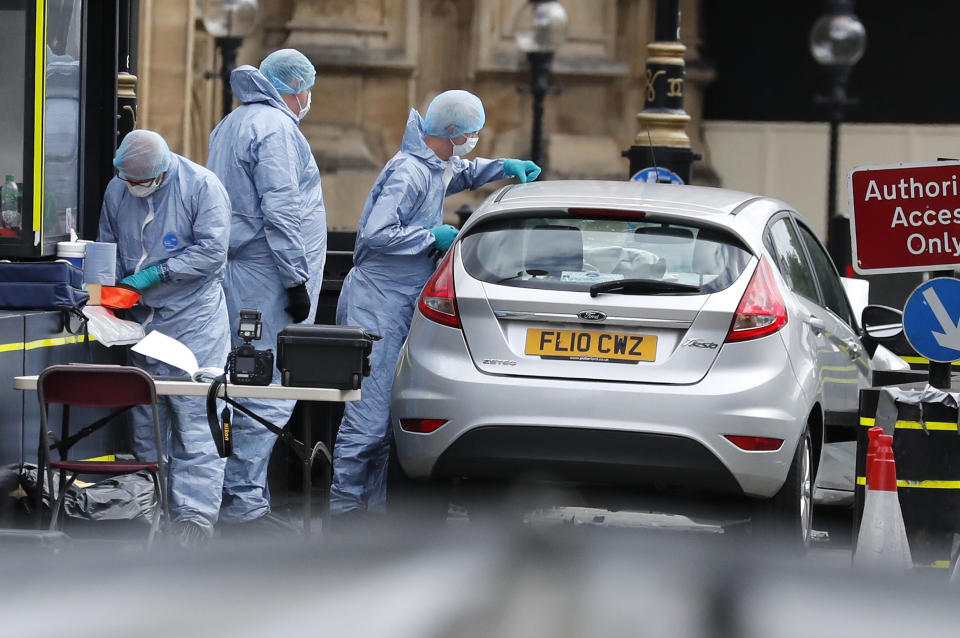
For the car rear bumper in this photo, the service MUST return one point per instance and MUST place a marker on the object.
(584, 455)
(502, 425)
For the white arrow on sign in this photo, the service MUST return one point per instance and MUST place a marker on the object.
(950, 337)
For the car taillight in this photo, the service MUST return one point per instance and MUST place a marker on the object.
(438, 301)
(421, 426)
(754, 443)
(761, 311)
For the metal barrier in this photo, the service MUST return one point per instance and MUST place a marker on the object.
(926, 447)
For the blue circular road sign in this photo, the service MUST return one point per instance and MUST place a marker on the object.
(656, 175)
(931, 319)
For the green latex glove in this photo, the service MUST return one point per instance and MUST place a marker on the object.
(524, 170)
(145, 278)
(443, 236)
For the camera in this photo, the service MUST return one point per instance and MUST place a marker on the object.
(245, 364)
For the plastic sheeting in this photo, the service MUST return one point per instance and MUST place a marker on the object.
(887, 411)
(109, 329)
(125, 497)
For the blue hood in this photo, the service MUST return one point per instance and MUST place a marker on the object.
(414, 144)
(249, 86)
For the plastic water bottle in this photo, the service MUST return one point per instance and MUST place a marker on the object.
(9, 203)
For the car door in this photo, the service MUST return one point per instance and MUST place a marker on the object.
(849, 369)
(810, 351)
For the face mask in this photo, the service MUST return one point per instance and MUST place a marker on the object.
(143, 190)
(306, 109)
(466, 147)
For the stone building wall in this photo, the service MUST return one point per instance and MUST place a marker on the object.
(377, 58)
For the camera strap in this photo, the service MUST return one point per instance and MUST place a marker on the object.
(220, 426)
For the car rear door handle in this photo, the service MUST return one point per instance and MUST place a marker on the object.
(816, 323)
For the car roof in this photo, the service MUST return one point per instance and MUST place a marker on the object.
(626, 195)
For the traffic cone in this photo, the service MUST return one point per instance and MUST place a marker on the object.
(873, 435)
(882, 541)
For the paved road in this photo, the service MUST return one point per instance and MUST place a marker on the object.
(710, 520)
(707, 519)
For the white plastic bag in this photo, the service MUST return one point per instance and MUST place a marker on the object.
(106, 328)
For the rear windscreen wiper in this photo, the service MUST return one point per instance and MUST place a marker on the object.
(640, 286)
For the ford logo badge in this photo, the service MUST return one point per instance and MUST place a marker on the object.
(592, 315)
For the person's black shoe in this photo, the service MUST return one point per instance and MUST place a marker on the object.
(191, 535)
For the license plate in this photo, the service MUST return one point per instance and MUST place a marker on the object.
(591, 345)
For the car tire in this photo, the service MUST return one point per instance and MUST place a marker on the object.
(787, 518)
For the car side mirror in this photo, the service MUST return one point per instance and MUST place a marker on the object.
(882, 324)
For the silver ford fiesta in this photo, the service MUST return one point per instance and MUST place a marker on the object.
(632, 334)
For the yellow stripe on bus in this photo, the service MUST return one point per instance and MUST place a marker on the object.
(39, 93)
(43, 343)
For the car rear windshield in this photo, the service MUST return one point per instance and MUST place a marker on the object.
(572, 253)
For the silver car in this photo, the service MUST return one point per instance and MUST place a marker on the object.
(632, 334)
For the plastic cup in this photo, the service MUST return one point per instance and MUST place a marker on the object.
(72, 252)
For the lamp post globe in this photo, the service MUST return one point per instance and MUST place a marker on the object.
(228, 21)
(838, 40)
(229, 18)
(540, 28)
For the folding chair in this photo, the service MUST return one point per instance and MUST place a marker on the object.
(93, 386)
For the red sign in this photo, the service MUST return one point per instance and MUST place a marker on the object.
(905, 217)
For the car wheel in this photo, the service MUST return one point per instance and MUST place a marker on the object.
(788, 517)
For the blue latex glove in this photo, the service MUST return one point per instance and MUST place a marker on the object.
(443, 236)
(524, 170)
(145, 278)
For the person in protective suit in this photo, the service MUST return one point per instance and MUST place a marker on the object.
(169, 219)
(278, 239)
(399, 234)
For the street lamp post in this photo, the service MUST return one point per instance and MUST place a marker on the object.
(837, 42)
(540, 29)
(228, 21)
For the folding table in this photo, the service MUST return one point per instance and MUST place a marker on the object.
(305, 450)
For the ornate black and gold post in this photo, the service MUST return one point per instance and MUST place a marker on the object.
(662, 139)
(126, 104)
(127, 34)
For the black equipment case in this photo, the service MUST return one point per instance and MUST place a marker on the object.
(317, 356)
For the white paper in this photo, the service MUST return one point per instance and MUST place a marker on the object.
(167, 349)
